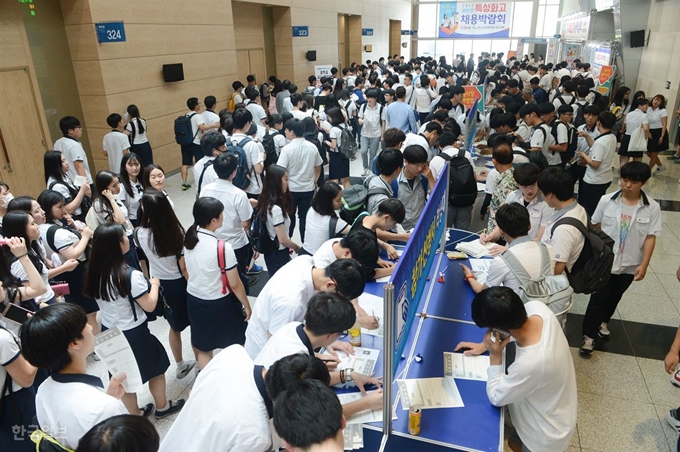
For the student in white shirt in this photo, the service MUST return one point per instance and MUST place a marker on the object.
(590, 115)
(192, 152)
(372, 121)
(161, 237)
(124, 295)
(132, 189)
(138, 129)
(598, 161)
(657, 115)
(634, 120)
(539, 387)
(213, 143)
(69, 402)
(254, 107)
(633, 220)
(360, 245)
(209, 115)
(338, 169)
(217, 301)
(116, 143)
(254, 154)
(154, 177)
(277, 133)
(72, 148)
(540, 139)
(57, 178)
(276, 307)
(557, 186)
(323, 222)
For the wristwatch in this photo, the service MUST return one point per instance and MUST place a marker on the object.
(348, 374)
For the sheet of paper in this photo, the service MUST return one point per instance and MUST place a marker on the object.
(373, 305)
(481, 186)
(384, 279)
(361, 417)
(466, 367)
(428, 393)
(474, 248)
(353, 435)
(114, 350)
(80, 180)
(363, 361)
(480, 265)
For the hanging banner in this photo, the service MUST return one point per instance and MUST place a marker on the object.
(550, 56)
(474, 94)
(601, 58)
(475, 20)
(575, 29)
(605, 79)
(323, 71)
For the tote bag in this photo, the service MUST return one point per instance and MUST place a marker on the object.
(638, 141)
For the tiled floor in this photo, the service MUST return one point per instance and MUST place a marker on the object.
(623, 398)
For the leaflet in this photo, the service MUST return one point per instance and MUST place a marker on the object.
(466, 367)
(373, 305)
(114, 350)
(363, 361)
(353, 435)
(430, 393)
(361, 417)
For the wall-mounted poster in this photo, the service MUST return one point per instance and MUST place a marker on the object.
(474, 20)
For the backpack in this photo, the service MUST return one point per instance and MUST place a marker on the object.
(270, 148)
(184, 133)
(572, 141)
(314, 139)
(538, 157)
(462, 182)
(562, 101)
(580, 118)
(553, 290)
(85, 204)
(348, 145)
(200, 179)
(355, 199)
(258, 235)
(591, 270)
(231, 105)
(362, 110)
(242, 178)
(52, 230)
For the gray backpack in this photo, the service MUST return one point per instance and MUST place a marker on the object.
(553, 290)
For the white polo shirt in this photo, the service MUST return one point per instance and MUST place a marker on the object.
(9, 352)
(209, 174)
(63, 238)
(539, 211)
(205, 278)
(275, 218)
(119, 311)
(114, 143)
(634, 120)
(373, 120)
(18, 271)
(253, 156)
(289, 340)
(603, 151)
(228, 409)
(164, 268)
(140, 137)
(237, 209)
(629, 226)
(107, 217)
(69, 405)
(300, 157)
(325, 255)
(542, 140)
(61, 187)
(582, 145)
(567, 241)
(318, 232)
(282, 300)
(196, 120)
(131, 202)
(415, 139)
(528, 252)
(73, 150)
(257, 111)
(437, 163)
(655, 116)
(210, 117)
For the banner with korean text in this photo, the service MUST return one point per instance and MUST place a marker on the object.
(605, 79)
(475, 20)
(472, 94)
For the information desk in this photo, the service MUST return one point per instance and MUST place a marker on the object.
(478, 425)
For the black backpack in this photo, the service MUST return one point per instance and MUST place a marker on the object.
(563, 102)
(270, 148)
(242, 178)
(579, 118)
(85, 204)
(184, 133)
(572, 141)
(355, 199)
(258, 235)
(462, 182)
(314, 139)
(591, 270)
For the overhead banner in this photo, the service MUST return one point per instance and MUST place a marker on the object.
(474, 94)
(475, 20)
(605, 80)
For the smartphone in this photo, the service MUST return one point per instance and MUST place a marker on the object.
(502, 333)
(16, 313)
(61, 288)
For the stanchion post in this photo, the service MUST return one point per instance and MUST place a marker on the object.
(388, 358)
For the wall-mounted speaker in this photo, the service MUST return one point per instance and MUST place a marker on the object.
(173, 72)
(311, 55)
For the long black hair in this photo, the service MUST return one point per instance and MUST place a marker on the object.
(618, 97)
(167, 234)
(133, 111)
(14, 225)
(205, 211)
(125, 177)
(102, 181)
(273, 194)
(49, 199)
(322, 202)
(147, 173)
(106, 277)
(53, 168)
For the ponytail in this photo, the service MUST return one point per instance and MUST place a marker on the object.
(191, 237)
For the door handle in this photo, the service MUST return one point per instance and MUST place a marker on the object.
(4, 150)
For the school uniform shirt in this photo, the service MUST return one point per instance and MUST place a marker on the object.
(543, 141)
(73, 150)
(210, 117)
(325, 255)
(205, 280)
(539, 211)
(415, 139)
(107, 217)
(283, 300)
(19, 272)
(567, 241)
(413, 197)
(539, 388)
(629, 226)
(237, 209)
(115, 143)
(423, 97)
(291, 339)
(317, 230)
(300, 158)
(280, 140)
(118, 312)
(131, 203)
(373, 119)
(523, 130)
(257, 111)
(554, 158)
(276, 217)
(634, 120)
(375, 200)
(228, 409)
(528, 252)
(491, 181)
(437, 163)
(139, 137)
(546, 82)
(603, 151)
(9, 352)
(63, 238)
(163, 268)
(59, 187)
(196, 120)
(253, 156)
(335, 134)
(69, 405)
(582, 145)
(654, 117)
(209, 174)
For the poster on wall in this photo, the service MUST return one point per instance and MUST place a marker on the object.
(552, 51)
(605, 79)
(474, 20)
(323, 71)
(576, 29)
(571, 52)
(601, 58)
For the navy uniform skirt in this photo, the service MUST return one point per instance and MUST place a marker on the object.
(338, 167)
(151, 357)
(216, 323)
(75, 279)
(175, 294)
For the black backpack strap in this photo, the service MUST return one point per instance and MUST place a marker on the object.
(198, 129)
(571, 222)
(445, 156)
(332, 224)
(135, 237)
(200, 179)
(50, 236)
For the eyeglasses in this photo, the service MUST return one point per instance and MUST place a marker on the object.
(343, 334)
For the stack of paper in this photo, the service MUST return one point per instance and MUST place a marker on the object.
(475, 248)
(354, 437)
(373, 305)
(480, 268)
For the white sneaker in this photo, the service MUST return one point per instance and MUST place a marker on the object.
(365, 172)
(604, 332)
(588, 345)
(660, 169)
(183, 372)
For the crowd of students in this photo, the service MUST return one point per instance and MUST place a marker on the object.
(276, 153)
